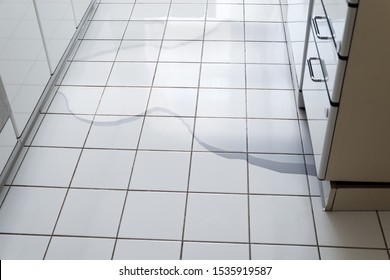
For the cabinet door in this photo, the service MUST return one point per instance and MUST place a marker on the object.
(58, 26)
(7, 133)
(23, 66)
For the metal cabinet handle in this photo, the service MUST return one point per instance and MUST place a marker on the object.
(317, 29)
(323, 68)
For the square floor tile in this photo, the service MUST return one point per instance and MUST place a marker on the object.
(222, 30)
(153, 215)
(217, 217)
(269, 76)
(124, 101)
(282, 220)
(31, 210)
(221, 103)
(266, 52)
(347, 229)
(91, 213)
(150, 12)
(113, 12)
(97, 50)
(220, 135)
(105, 30)
(229, 52)
(187, 11)
(277, 174)
(87, 74)
(274, 136)
(139, 51)
(114, 132)
(275, 104)
(172, 102)
(264, 31)
(104, 169)
(63, 131)
(184, 30)
(263, 13)
(218, 172)
(352, 254)
(278, 252)
(47, 167)
(161, 171)
(385, 221)
(177, 75)
(76, 100)
(153, 30)
(215, 251)
(132, 74)
(222, 12)
(223, 75)
(23, 247)
(147, 250)
(165, 133)
(181, 51)
(73, 248)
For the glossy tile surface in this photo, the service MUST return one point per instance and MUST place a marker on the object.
(215, 251)
(218, 172)
(74, 248)
(147, 215)
(347, 229)
(23, 247)
(115, 132)
(291, 221)
(39, 211)
(217, 217)
(47, 167)
(147, 250)
(161, 171)
(280, 252)
(91, 213)
(107, 169)
(173, 133)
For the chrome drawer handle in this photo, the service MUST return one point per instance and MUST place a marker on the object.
(317, 29)
(323, 68)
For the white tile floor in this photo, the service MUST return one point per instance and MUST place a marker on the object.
(174, 134)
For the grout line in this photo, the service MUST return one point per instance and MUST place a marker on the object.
(85, 140)
(193, 131)
(164, 191)
(189, 241)
(301, 138)
(247, 140)
(143, 121)
(383, 234)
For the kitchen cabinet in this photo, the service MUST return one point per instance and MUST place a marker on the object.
(23, 66)
(346, 97)
(35, 36)
(58, 25)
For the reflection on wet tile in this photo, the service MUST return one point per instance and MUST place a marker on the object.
(217, 172)
(220, 135)
(277, 174)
